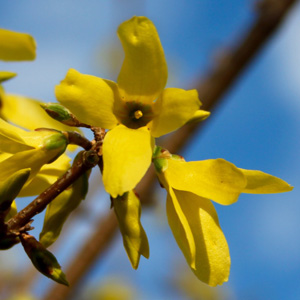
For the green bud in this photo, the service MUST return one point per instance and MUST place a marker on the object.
(10, 188)
(56, 141)
(60, 113)
(44, 261)
(160, 164)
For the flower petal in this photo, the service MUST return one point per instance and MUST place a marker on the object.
(12, 147)
(177, 106)
(144, 71)
(14, 106)
(89, 98)
(199, 237)
(128, 212)
(215, 179)
(126, 158)
(16, 46)
(47, 175)
(33, 159)
(259, 182)
(60, 208)
(6, 75)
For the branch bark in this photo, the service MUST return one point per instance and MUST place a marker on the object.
(211, 89)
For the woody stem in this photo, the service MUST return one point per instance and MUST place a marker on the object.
(89, 160)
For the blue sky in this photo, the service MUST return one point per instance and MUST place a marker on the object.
(257, 125)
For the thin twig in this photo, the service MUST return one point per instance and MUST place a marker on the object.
(76, 138)
(24, 216)
(210, 90)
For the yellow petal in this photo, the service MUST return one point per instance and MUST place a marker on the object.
(144, 71)
(6, 75)
(47, 175)
(199, 237)
(60, 208)
(16, 46)
(199, 116)
(9, 146)
(89, 98)
(215, 179)
(12, 212)
(177, 106)
(11, 132)
(126, 158)
(128, 212)
(259, 182)
(14, 106)
(33, 159)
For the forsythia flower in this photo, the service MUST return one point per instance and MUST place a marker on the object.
(191, 215)
(20, 149)
(136, 109)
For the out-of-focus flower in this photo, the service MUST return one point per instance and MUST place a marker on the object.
(136, 109)
(191, 215)
(20, 149)
(16, 46)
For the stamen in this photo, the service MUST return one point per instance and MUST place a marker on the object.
(138, 114)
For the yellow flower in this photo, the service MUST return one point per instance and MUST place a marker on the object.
(136, 109)
(20, 149)
(191, 215)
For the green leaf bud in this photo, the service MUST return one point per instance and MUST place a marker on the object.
(44, 261)
(59, 113)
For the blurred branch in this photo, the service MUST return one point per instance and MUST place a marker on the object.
(220, 79)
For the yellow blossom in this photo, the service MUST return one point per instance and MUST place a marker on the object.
(191, 215)
(136, 109)
(20, 149)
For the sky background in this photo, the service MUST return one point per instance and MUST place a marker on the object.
(257, 126)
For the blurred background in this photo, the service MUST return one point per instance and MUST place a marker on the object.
(256, 126)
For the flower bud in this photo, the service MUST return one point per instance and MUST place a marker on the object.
(57, 142)
(44, 261)
(59, 113)
(160, 159)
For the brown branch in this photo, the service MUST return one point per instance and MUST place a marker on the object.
(75, 138)
(270, 15)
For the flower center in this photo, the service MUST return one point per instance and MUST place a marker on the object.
(135, 114)
(138, 114)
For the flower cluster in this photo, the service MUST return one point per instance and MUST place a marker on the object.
(125, 118)
(137, 109)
